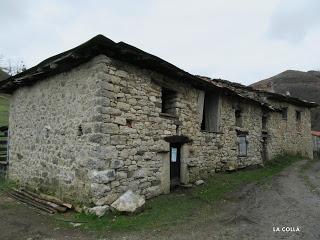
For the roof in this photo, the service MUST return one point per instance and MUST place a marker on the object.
(314, 133)
(102, 45)
(88, 50)
(127, 53)
(260, 95)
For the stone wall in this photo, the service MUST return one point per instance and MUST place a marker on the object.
(134, 128)
(289, 135)
(98, 130)
(50, 128)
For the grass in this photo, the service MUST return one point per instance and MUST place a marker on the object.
(178, 207)
(222, 183)
(4, 110)
(6, 185)
(161, 211)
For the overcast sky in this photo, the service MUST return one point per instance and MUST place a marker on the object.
(241, 41)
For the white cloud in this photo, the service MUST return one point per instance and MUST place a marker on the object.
(294, 19)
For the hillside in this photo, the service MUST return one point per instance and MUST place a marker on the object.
(304, 85)
(3, 75)
(4, 103)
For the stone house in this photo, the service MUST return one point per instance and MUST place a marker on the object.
(92, 122)
(316, 143)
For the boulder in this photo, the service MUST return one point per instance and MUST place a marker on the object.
(128, 202)
(199, 182)
(98, 210)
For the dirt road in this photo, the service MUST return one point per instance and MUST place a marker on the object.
(289, 202)
(287, 207)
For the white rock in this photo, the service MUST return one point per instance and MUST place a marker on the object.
(199, 182)
(98, 210)
(128, 202)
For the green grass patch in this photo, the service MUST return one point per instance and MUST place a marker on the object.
(4, 110)
(179, 206)
(221, 183)
(165, 210)
(6, 185)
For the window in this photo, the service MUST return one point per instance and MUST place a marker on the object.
(238, 117)
(210, 116)
(264, 122)
(298, 116)
(284, 113)
(242, 145)
(168, 98)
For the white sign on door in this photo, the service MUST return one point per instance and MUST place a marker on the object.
(174, 152)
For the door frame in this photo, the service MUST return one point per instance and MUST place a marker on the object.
(175, 167)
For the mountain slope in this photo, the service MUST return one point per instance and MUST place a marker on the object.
(304, 85)
(4, 102)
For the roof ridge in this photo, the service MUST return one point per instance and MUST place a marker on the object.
(127, 53)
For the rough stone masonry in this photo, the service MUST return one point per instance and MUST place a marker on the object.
(105, 126)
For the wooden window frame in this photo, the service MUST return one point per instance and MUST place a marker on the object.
(240, 154)
(211, 112)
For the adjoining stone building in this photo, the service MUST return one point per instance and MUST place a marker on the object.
(90, 123)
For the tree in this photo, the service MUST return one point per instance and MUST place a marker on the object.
(12, 67)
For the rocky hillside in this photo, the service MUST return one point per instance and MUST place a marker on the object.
(304, 85)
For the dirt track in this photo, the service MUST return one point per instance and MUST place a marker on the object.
(290, 199)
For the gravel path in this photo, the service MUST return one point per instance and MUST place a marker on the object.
(290, 201)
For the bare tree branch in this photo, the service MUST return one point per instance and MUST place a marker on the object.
(12, 67)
